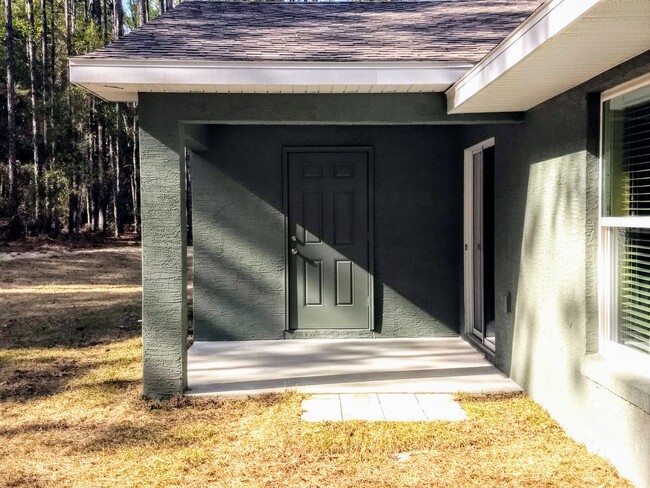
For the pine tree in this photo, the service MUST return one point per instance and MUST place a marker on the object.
(11, 112)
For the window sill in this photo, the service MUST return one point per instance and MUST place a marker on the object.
(629, 378)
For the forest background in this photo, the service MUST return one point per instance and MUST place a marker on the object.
(68, 161)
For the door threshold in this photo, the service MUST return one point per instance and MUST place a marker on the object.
(329, 334)
(476, 343)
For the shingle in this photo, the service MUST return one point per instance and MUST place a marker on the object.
(435, 30)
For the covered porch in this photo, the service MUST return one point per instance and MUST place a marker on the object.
(246, 341)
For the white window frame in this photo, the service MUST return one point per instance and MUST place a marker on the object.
(607, 272)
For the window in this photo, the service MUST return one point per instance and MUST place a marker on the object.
(625, 220)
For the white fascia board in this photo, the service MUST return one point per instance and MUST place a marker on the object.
(127, 75)
(111, 94)
(547, 21)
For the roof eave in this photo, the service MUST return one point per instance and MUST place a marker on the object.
(123, 79)
(561, 45)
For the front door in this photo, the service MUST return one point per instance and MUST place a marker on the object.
(329, 238)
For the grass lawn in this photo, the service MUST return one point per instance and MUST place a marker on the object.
(71, 412)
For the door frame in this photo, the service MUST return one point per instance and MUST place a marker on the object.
(468, 239)
(371, 225)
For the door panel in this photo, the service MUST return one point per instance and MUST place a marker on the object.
(480, 299)
(477, 168)
(329, 278)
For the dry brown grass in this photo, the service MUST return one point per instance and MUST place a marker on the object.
(71, 413)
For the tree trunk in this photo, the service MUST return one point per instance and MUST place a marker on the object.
(37, 142)
(136, 170)
(142, 8)
(11, 113)
(51, 69)
(105, 21)
(102, 168)
(45, 63)
(91, 133)
(73, 209)
(96, 12)
(118, 19)
(68, 26)
(119, 171)
(188, 195)
(52, 56)
(88, 206)
(134, 198)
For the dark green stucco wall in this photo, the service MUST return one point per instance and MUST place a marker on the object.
(165, 109)
(546, 257)
(239, 235)
(546, 236)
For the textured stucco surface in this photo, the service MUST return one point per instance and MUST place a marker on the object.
(164, 309)
(377, 108)
(238, 249)
(239, 233)
(546, 256)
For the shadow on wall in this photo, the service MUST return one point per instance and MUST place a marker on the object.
(239, 228)
(541, 226)
(549, 316)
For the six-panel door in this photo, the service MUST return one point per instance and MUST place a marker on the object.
(328, 239)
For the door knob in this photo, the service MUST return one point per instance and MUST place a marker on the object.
(294, 251)
(294, 238)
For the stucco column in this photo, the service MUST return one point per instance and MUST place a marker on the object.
(164, 304)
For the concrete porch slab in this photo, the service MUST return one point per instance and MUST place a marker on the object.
(333, 366)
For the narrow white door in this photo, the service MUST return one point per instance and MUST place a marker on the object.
(479, 243)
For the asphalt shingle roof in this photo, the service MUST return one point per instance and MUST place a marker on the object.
(435, 30)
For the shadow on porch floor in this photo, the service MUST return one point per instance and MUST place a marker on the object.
(440, 365)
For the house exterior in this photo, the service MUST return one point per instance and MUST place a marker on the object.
(404, 169)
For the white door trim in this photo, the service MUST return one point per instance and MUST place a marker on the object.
(468, 237)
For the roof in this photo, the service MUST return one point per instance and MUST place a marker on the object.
(434, 31)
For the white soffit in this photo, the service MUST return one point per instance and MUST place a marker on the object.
(122, 80)
(563, 44)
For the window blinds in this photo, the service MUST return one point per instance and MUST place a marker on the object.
(634, 244)
(634, 289)
(636, 159)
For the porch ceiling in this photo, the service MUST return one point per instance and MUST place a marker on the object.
(563, 44)
(120, 80)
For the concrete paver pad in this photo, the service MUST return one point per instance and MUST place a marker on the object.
(401, 407)
(382, 407)
(322, 408)
(441, 407)
(363, 406)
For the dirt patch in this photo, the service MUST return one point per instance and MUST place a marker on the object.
(37, 379)
(70, 297)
